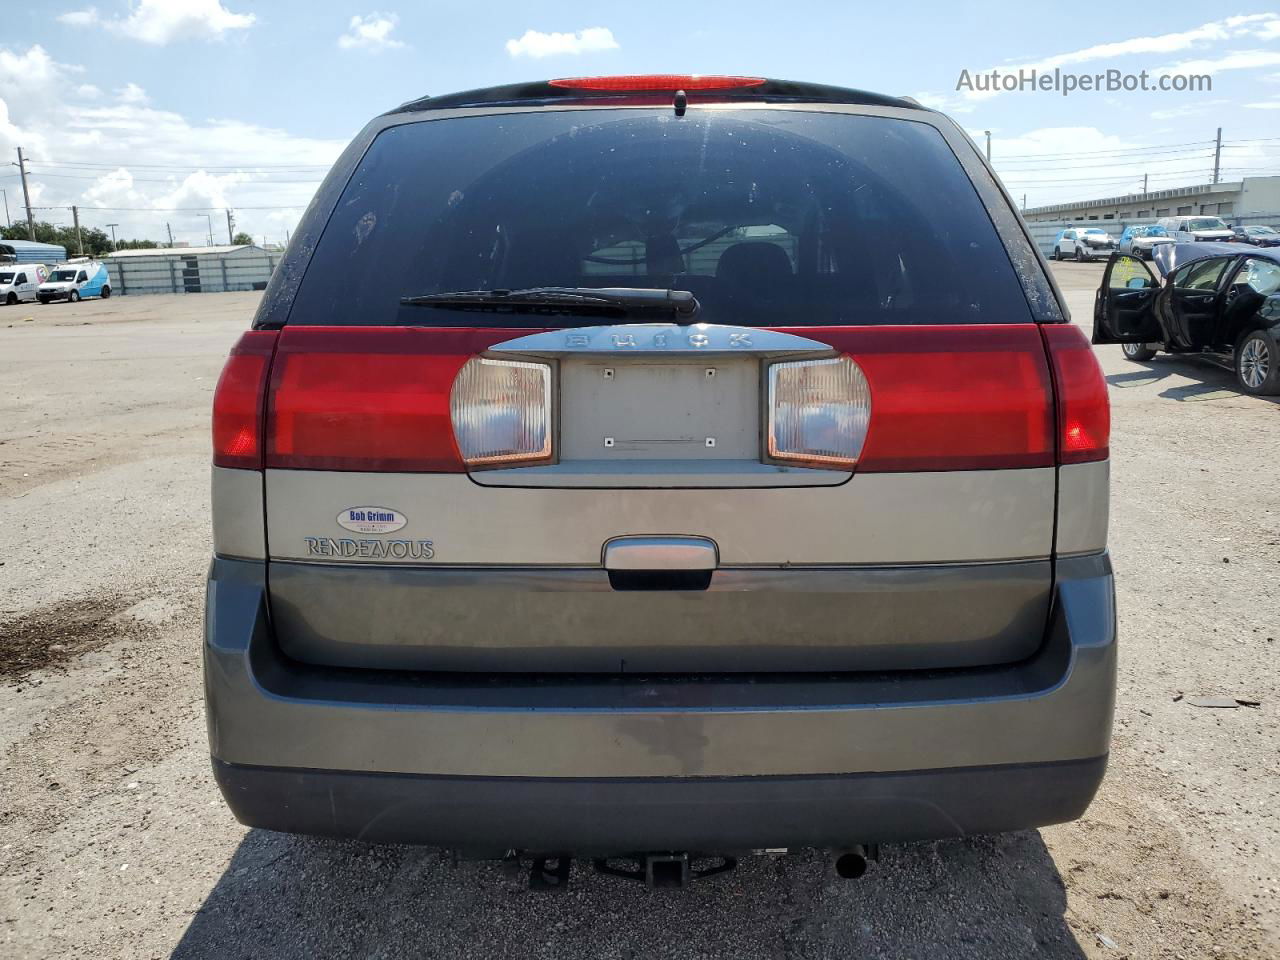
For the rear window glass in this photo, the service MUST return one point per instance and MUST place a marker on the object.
(770, 217)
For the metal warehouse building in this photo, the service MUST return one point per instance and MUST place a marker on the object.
(190, 269)
(28, 251)
(1253, 199)
(1248, 201)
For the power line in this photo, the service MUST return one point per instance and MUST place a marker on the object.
(1200, 171)
(171, 182)
(1118, 157)
(183, 166)
(1192, 146)
(1208, 157)
(1144, 151)
(289, 206)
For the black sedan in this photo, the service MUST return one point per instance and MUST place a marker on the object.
(1257, 235)
(1220, 299)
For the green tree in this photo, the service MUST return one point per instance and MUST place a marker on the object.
(242, 238)
(96, 242)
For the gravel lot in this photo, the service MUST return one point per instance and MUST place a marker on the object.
(115, 843)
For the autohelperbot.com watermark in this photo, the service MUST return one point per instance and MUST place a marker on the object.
(1033, 80)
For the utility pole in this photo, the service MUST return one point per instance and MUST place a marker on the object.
(988, 134)
(210, 219)
(26, 196)
(1217, 156)
(1144, 184)
(75, 218)
(170, 229)
(113, 236)
(1024, 203)
(231, 225)
(7, 222)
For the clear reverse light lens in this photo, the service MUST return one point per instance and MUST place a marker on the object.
(819, 411)
(501, 411)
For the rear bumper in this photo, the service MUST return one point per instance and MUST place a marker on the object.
(489, 815)
(617, 763)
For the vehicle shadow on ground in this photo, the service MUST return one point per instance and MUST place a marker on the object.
(1215, 383)
(286, 897)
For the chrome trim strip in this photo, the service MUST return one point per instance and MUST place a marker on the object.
(661, 338)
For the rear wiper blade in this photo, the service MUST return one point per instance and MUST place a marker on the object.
(681, 305)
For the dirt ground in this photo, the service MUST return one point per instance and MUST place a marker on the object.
(115, 843)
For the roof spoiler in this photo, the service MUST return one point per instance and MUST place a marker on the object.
(542, 92)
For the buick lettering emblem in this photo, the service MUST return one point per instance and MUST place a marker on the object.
(665, 338)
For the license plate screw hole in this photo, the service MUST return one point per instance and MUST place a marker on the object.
(711, 372)
(711, 441)
(608, 441)
(608, 373)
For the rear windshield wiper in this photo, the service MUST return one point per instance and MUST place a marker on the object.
(679, 305)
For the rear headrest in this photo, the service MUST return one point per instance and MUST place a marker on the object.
(753, 264)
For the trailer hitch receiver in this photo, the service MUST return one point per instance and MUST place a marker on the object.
(667, 869)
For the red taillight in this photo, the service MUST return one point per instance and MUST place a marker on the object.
(1084, 409)
(375, 398)
(657, 82)
(952, 397)
(237, 402)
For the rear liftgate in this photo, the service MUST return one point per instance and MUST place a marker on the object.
(660, 498)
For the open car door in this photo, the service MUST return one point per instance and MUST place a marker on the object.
(1124, 309)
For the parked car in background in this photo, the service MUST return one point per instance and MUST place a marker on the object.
(1140, 241)
(1197, 229)
(75, 280)
(18, 281)
(1215, 299)
(532, 532)
(1083, 243)
(1257, 235)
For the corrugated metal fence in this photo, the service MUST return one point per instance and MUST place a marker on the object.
(195, 273)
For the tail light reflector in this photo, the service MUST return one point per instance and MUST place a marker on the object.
(1084, 409)
(375, 399)
(237, 402)
(501, 412)
(818, 412)
(975, 397)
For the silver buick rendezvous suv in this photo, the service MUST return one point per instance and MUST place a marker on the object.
(660, 466)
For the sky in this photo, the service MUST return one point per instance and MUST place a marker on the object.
(159, 115)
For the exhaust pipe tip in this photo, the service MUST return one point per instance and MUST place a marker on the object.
(851, 864)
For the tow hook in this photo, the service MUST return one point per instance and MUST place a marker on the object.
(852, 863)
(668, 870)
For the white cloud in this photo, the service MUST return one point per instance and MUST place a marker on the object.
(1236, 60)
(132, 93)
(937, 101)
(162, 21)
(121, 152)
(536, 44)
(1265, 105)
(1188, 109)
(80, 18)
(371, 33)
(88, 91)
(1260, 26)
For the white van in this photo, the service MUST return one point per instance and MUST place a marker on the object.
(1197, 229)
(18, 281)
(75, 280)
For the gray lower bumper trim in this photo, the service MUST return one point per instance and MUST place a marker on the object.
(718, 814)
(267, 710)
